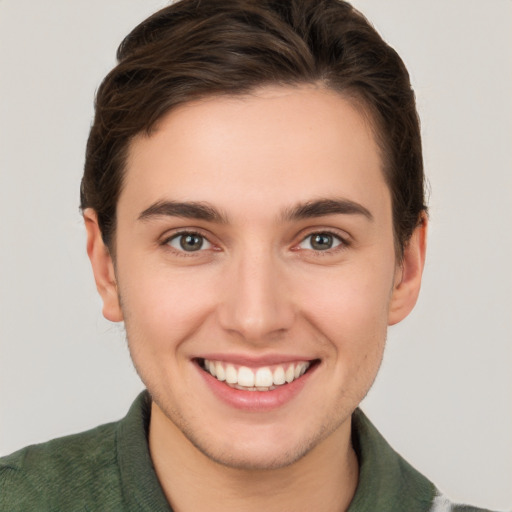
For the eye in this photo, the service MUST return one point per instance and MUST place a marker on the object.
(189, 242)
(320, 242)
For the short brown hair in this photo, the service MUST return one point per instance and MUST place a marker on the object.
(197, 48)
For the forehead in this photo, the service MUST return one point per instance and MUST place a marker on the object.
(286, 144)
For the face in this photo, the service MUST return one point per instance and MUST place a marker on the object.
(256, 272)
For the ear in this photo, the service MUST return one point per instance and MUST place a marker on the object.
(408, 276)
(102, 267)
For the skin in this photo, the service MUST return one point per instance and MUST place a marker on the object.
(257, 288)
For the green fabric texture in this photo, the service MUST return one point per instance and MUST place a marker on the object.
(104, 469)
(109, 469)
(386, 481)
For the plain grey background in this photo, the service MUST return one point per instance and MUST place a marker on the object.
(444, 395)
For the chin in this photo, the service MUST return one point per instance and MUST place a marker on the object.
(256, 457)
(258, 447)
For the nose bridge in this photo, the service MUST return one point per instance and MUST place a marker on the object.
(256, 301)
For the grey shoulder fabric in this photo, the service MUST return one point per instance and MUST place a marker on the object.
(109, 468)
(442, 504)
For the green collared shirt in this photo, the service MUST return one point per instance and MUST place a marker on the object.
(109, 469)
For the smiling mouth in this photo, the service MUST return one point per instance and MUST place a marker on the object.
(264, 378)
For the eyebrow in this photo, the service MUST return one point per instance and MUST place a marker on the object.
(188, 210)
(323, 207)
(202, 211)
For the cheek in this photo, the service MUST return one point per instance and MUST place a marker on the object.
(350, 310)
(348, 301)
(162, 308)
(352, 319)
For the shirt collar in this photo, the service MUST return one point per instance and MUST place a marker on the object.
(386, 481)
(141, 489)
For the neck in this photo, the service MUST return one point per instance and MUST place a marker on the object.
(324, 480)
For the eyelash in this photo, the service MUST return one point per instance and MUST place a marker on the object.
(343, 243)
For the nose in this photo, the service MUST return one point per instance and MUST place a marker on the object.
(256, 300)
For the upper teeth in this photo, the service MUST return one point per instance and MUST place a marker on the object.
(261, 378)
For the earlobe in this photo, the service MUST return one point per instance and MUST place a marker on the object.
(408, 279)
(102, 267)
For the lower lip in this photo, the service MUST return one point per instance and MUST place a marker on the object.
(256, 401)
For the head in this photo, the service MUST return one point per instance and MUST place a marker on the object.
(253, 196)
(195, 49)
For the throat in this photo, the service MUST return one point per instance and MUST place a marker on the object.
(323, 480)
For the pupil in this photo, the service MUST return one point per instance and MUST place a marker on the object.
(191, 242)
(322, 241)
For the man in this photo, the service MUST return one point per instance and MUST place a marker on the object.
(254, 205)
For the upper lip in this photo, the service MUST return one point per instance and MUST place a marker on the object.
(255, 361)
